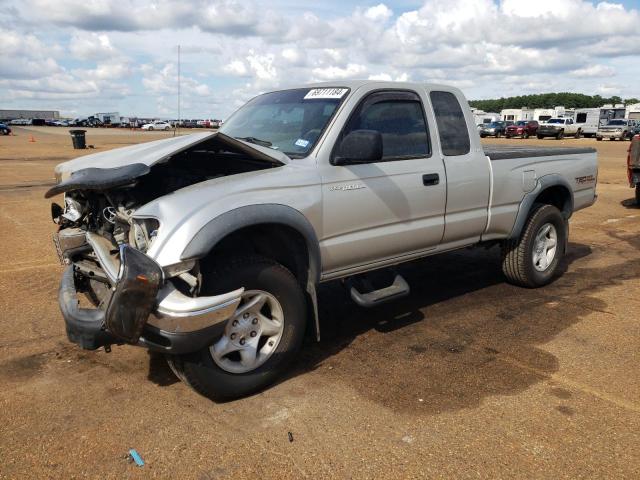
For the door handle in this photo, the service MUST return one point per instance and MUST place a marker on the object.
(429, 179)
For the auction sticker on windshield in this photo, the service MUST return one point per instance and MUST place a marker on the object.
(325, 93)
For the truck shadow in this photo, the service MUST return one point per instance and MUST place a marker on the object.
(462, 335)
(630, 203)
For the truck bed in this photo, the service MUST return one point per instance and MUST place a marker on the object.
(505, 152)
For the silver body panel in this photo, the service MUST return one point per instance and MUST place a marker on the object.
(364, 216)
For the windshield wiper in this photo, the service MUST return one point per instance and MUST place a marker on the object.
(257, 141)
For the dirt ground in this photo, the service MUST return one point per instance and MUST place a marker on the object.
(469, 377)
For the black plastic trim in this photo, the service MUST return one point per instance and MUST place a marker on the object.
(84, 326)
(505, 153)
(218, 228)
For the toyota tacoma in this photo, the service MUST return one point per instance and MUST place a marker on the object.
(209, 248)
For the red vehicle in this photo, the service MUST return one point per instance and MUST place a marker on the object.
(522, 128)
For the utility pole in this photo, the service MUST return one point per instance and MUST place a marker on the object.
(178, 124)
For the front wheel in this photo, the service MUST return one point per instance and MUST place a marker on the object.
(540, 137)
(150, 129)
(525, 135)
(166, 129)
(598, 139)
(532, 260)
(259, 341)
(578, 134)
(560, 135)
(638, 194)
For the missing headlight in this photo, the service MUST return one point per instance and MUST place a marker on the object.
(143, 232)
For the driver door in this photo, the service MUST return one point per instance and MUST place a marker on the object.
(379, 211)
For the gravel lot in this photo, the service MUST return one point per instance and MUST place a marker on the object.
(469, 377)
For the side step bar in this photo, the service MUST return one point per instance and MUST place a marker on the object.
(398, 289)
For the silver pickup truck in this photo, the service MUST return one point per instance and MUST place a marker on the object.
(210, 247)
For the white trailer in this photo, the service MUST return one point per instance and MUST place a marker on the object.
(109, 118)
(482, 117)
(588, 119)
(517, 114)
(633, 111)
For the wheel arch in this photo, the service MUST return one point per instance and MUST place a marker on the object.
(551, 189)
(275, 231)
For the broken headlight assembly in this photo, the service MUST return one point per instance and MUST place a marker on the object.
(142, 233)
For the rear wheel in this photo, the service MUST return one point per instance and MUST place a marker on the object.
(532, 260)
(598, 139)
(150, 129)
(259, 341)
(578, 134)
(525, 135)
(498, 134)
(166, 129)
(540, 137)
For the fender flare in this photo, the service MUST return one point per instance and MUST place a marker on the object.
(218, 228)
(529, 199)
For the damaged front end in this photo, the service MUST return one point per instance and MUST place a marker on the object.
(130, 298)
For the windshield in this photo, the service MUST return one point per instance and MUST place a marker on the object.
(556, 120)
(495, 124)
(521, 124)
(290, 120)
(617, 122)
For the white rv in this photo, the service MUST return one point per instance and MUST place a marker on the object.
(633, 111)
(516, 114)
(481, 117)
(109, 118)
(588, 119)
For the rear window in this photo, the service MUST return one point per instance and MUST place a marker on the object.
(452, 128)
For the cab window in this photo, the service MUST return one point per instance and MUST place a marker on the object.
(400, 119)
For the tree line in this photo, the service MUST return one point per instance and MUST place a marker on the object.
(549, 100)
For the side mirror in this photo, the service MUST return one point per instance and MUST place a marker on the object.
(359, 146)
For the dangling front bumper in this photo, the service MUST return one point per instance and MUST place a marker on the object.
(143, 309)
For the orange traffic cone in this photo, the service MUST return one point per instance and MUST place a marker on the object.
(32, 140)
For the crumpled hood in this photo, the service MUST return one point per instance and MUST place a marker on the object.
(103, 170)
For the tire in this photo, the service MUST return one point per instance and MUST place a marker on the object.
(507, 136)
(598, 139)
(638, 194)
(525, 135)
(560, 135)
(150, 129)
(540, 137)
(498, 134)
(578, 134)
(206, 375)
(166, 129)
(519, 255)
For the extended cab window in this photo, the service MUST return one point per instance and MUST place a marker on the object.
(399, 118)
(452, 128)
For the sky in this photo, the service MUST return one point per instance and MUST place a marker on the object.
(88, 56)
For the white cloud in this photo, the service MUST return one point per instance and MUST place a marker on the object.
(126, 49)
(352, 70)
(91, 46)
(594, 71)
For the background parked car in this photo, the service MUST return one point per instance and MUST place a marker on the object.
(20, 121)
(522, 128)
(495, 129)
(618, 129)
(558, 128)
(157, 125)
(4, 129)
